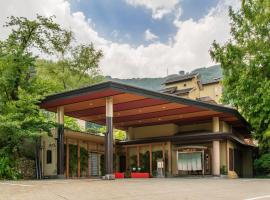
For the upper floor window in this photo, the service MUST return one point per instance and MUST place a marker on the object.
(185, 84)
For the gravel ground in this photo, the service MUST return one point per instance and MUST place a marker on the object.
(165, 189)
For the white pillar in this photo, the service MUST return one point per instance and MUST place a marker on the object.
(216, 148)
(216, 124)
(216, 158)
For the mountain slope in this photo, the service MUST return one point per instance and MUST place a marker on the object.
(207, 74)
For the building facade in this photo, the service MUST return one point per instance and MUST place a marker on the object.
(168, 134)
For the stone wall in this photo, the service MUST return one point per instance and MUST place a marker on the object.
(27, 168)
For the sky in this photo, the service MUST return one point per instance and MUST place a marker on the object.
(139, 38)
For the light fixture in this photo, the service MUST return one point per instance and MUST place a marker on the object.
(159, 119)
(90, 104)
(164, 107)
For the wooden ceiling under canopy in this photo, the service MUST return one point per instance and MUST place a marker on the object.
(134, 107)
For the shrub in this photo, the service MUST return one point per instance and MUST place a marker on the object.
(8, 169)
(262, 164)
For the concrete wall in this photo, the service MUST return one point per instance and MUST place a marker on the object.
(196, 127)
(223, 154)
(152, 131)
(192, 83)
(49, 143)
(166, 130)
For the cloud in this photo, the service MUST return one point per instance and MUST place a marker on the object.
(159, 8)
(149, 36)
(187, 49)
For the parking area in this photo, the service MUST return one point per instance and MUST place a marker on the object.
(136, 189)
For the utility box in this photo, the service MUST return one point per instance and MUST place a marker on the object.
(160, 168)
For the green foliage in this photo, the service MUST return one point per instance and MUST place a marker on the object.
(71, 123)
(119, 134)
(262, 165)
(24, 81)
(20, 90)
(76, 67)
(245, 60)
(7, 168)
(223, 170)
(73, 160)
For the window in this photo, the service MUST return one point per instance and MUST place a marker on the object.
(185, 84)
(49, 156)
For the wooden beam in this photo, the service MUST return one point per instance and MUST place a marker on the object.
(150, 158)
(138, 156)
(79, 158)
(140, 145)
(67, 158)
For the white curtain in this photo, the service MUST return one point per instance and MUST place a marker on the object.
(189, 161)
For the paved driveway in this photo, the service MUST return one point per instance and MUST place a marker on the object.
(141, 189)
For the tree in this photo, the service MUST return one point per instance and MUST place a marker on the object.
(20, 89)
(76, 67)
(245, 60)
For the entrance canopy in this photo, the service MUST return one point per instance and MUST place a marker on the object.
(135, 107)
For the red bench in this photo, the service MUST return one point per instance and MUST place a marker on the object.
(139, 175)
(119, 175)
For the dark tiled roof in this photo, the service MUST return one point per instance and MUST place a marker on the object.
(173, 90)
(216, 80)
(207, 99)
(180, 78)
(183, 91)
(168, 90)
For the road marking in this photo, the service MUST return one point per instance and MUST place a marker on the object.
(15, 184)
(260, 197)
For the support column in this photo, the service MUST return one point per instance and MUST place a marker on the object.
(216, 158)
(89, 161)
(170, 158)
(79, 159)
(164, 158)
(138, 156)
(67, 158)
(216, 149)
(126, 149)
(150, 158)
(109, 140)
(60, 141)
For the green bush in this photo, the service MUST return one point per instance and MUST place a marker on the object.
(8, 169)
(262, 165)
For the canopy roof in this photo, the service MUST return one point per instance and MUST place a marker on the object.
(134, 107)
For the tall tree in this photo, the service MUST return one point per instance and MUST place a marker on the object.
(76, 67)
(20, 88)
(245, 60)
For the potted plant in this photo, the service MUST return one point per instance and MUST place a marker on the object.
(223, 171)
